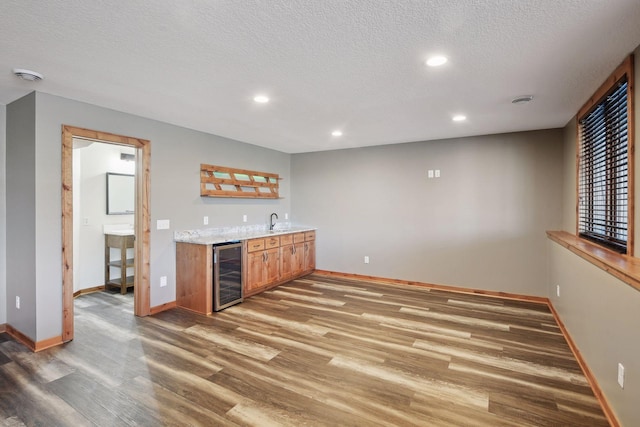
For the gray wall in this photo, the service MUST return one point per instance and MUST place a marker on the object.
(176, 154)
(3, 217)
(481, 225)
(22, 262)
(601, 313)
(603, 318)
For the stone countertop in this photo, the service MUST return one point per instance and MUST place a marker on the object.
(212, 236)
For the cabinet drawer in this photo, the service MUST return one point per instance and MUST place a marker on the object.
(272, 242)
(298, 238)
(286, 239)
(255, 245)
(309, 235)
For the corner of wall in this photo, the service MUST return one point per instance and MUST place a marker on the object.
(19, 206)
(569, 177)
(3, 219)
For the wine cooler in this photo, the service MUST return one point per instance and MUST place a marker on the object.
(227, 275)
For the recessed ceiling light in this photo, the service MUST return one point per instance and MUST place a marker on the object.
(29, 75)
(336, 133)
(436, 61)
(522, 99)
(459, 118)
(261, 99)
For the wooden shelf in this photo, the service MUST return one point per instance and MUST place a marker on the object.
(118, 263)
(121, 243)
(624, 267)
(118, 282)
(221, 181)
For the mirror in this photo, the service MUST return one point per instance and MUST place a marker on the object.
(120, 194)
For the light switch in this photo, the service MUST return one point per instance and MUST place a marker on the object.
(437, 173)
(206, 220)
(430, 173)
(163, 224)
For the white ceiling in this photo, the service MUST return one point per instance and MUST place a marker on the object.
(354, 65)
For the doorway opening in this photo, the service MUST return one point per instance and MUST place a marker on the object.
(141, 220)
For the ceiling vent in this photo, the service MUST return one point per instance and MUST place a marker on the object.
(28, 75)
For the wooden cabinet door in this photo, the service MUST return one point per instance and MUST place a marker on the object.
(309, 256)
(271, 271)
(297, 259)
(286, 257)
(255, 267)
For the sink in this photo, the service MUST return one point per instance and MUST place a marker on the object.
(279, 231)
(121, 232)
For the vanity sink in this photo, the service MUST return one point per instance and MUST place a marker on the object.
(121, 232)
(279, 231)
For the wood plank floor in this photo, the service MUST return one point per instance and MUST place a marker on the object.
(316, 351)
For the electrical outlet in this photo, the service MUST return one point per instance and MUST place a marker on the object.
(430, 173)
(85, 221)
(18, 302)
(163, 281)
(366, 259)
(163, 224)
(244, 218)
(206, 220)
(558, 290)
(437, 173)
(286, 216)
(621, 375)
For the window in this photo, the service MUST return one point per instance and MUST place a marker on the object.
(605, 165)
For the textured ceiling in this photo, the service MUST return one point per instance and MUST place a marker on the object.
(355, 65)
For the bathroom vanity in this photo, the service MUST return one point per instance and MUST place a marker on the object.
(121, 240)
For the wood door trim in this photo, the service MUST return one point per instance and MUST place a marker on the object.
(142, 226)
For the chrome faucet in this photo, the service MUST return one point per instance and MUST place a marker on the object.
(271, 222)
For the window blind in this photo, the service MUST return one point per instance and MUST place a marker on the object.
(603, 175)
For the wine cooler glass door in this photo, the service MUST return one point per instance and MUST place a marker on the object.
(227, 275)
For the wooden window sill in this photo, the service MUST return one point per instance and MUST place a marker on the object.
(624, 267)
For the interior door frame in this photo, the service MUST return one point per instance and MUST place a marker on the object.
(142, 220)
